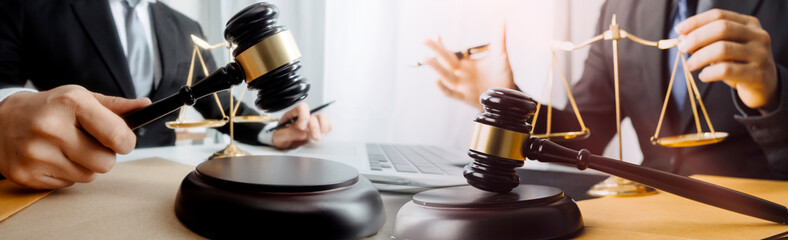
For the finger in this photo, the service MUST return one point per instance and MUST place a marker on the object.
(452, 62)
(314, 129)
(107, 127)
(443, 72)
(48, 182)
(500, 41)
(718, 51)
(325, 124)
(720, 30)
(73, 172)
(37, 173)
(302, 112)
(449, 92)
(444, 55)
(279, 139)
(303, 117)
(119, 105)
(462, 91)
(88, 153)
(51, 169)
(285, 138)
(695, 22)
(732, 73)
(288, 115)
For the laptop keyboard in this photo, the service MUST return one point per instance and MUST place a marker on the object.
(410, 159)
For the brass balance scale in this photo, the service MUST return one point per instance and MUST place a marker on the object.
(227, 118)
(616, 186)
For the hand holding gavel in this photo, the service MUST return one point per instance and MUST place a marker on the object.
(55, 138)
(68, 134)
(501, 142)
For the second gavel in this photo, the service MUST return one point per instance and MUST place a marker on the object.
(266, 58)
(501, 141)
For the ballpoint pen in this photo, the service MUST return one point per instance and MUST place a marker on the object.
(292, 120)
(464, 53)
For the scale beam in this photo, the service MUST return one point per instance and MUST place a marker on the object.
(227, 118)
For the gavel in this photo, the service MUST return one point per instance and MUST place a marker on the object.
(266, 57)
(501, 141)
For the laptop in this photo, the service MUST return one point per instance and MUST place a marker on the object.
(395, 167)
(407, 168)
(391, 167)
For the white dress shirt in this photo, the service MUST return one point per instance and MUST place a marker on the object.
(118, 14)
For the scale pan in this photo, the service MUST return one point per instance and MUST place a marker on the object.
(692, 139)
(254, 118)
(565, 136)
(208, 123)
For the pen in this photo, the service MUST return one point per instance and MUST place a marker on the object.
(292, 120)
(464, 53)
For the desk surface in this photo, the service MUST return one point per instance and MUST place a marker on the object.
(135, 201)
(575, 185)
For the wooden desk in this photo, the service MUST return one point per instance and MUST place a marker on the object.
(135, 200)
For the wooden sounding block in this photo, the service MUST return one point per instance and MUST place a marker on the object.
(281, 197)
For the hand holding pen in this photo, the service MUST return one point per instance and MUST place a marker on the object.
(465, 53)
(465, 78)
(300, 125)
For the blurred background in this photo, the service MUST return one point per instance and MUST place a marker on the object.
(360, 52)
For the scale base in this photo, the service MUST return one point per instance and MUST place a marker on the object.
(619, 187)
(464, 212)
(229, 151)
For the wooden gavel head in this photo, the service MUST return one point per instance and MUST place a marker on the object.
(498, 135)
(268, 56)
(501, 141)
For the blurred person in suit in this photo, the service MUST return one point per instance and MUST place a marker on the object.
(737, 49)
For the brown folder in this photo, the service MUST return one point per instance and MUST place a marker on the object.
(14, 198)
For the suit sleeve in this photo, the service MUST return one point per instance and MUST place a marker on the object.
(11, 22)
(595, 101)
(770, 131)
(244, 132)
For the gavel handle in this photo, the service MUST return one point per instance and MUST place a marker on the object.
(546, 151)
(221, 79)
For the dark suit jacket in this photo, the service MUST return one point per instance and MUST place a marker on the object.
(756, 146)
(54, 43)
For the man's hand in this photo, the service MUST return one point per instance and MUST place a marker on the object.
(732, 48)
(466, 79)
(307, 127)
(55, 138)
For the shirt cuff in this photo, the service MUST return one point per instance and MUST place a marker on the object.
(266, 137)
(766, 128)
(6, 92)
